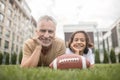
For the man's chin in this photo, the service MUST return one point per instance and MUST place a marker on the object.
(46, 45)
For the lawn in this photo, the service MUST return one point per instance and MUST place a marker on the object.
(99, 72)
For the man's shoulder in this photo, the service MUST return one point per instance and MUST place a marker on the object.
(29, 41)
(59, 40)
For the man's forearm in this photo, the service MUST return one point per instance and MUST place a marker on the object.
(33, 60)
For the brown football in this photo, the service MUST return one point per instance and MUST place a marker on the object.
(70, 61)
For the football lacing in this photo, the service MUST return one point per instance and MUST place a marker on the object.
(68, 60)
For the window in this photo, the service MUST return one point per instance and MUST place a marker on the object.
(19, 0)
(16, 29)
(16, 48)
(15, 17)
(21, 41)
(1, 30)
(2, 6)
(7, 34)
(1, 17)
(13, 36)
(6, 46)
(9, 12)
(0, 42)
(119, 30)
(22, 24)
(12, 48)
(11, 1)
(114, 37)
(8, 23)
(17, 38)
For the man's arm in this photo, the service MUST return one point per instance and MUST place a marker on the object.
(62, 49)
(30, 60)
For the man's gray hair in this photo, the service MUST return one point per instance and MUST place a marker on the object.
(46, 17)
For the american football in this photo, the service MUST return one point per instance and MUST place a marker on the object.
(70, 61)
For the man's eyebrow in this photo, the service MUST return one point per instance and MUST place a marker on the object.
(46, 30)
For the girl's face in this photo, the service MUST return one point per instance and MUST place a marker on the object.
(79, 42)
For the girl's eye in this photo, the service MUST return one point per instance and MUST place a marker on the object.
(76, 39)
(82, 40)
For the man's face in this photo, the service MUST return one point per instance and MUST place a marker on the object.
(46, 32)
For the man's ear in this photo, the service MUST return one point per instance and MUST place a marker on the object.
(36, 31)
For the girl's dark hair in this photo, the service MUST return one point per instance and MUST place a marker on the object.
(88, 43)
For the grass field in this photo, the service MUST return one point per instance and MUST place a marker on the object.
(99, 72)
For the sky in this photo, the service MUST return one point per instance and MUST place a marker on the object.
(102, 12)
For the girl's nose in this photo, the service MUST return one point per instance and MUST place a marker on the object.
(78, 41)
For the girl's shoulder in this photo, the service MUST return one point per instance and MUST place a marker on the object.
(68, 51)
(90, 52)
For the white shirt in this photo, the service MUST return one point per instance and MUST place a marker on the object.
(89, 56)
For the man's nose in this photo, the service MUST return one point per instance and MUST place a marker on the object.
(46, 34)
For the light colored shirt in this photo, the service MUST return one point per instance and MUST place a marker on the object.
(89, 56)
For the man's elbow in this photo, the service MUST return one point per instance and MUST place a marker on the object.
(23, 65)
(27, 65)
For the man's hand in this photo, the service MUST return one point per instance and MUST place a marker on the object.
(37, 39)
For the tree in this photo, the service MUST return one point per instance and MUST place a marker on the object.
(112, 56)
(13, 58)
(1, 57)
(97, 56)
(6, 58)
(106, 60)
(119, 57)
(20, 56)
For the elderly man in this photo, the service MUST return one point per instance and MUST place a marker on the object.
(44, 47)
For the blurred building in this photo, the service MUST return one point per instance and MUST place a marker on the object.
(16, 25)
(103, 38)
(111, 39)
(94, 33)
(90, 28)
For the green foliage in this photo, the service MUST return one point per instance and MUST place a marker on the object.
(99, 72)
(20, 56)
(119, 57)
(1, 57)
(6, 58)
(106, 60)
(112, 56)
(97, 56)
(13, 58)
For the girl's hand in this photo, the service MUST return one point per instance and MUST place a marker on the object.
(73, 46)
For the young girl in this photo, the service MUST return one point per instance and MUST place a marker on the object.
(79, 43)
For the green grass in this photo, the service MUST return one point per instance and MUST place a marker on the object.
(99, 72)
